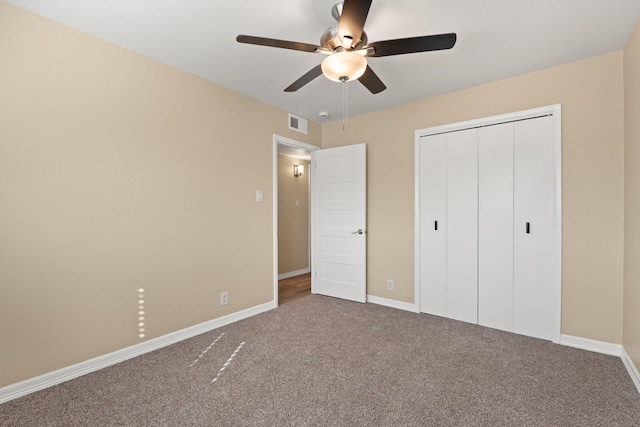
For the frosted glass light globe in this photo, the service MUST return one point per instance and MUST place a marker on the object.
(342, 64)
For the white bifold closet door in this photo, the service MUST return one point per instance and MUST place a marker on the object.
(515, 221)
(491, 258)
(495, 225)
(449, 208)
(433, 232)
(534, 228)
(462, 225)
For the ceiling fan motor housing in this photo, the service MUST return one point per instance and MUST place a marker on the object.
(331, 40)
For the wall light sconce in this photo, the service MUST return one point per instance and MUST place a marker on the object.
(298, 170)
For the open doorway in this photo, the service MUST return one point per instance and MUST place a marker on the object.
(292, 219)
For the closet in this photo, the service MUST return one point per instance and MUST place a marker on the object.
(488, 203)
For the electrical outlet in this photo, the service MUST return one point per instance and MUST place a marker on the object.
(224, 298)
(389, 284)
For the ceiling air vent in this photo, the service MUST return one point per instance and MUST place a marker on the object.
(298, 124)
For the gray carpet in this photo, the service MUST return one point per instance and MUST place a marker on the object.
(323, 361)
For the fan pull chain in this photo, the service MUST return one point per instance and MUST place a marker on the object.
(344, 102)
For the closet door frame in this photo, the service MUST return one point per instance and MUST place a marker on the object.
(551, 110)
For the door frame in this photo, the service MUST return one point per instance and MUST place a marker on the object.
(281, 140)
(556, 112)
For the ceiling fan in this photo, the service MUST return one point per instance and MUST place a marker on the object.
(347, 48)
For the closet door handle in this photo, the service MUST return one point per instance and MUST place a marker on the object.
(435, 227)
(528, 228)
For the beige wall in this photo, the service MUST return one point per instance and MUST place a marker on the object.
(591, 94)
(116, 173)
(293, 221)
(632, 197)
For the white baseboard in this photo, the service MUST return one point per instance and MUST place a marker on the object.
(31, 385)
(631, 367)
(591, 345)
(406, 306)
(293, 273)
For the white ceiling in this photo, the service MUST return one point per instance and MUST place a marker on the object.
(496, 39)
(296, 153)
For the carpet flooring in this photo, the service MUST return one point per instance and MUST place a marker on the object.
(324, 361)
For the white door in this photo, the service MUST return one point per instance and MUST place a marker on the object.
(503, 186)
(449, 225)
(339, 222)
(462, 225)
(534, 229)
(433, 229)
(495, 231)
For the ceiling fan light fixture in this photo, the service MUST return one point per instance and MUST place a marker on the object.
(343, 64)
(346, 46)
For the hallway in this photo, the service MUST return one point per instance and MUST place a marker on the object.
(294, 288)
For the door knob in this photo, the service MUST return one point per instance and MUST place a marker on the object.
(358, 232)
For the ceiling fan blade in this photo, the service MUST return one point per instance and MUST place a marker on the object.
(412, 45)
(354, 14)
(308, 77)
(284, 44)
(371, 81)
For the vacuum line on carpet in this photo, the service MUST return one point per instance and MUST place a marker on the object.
(205, 350)
(229, 360)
